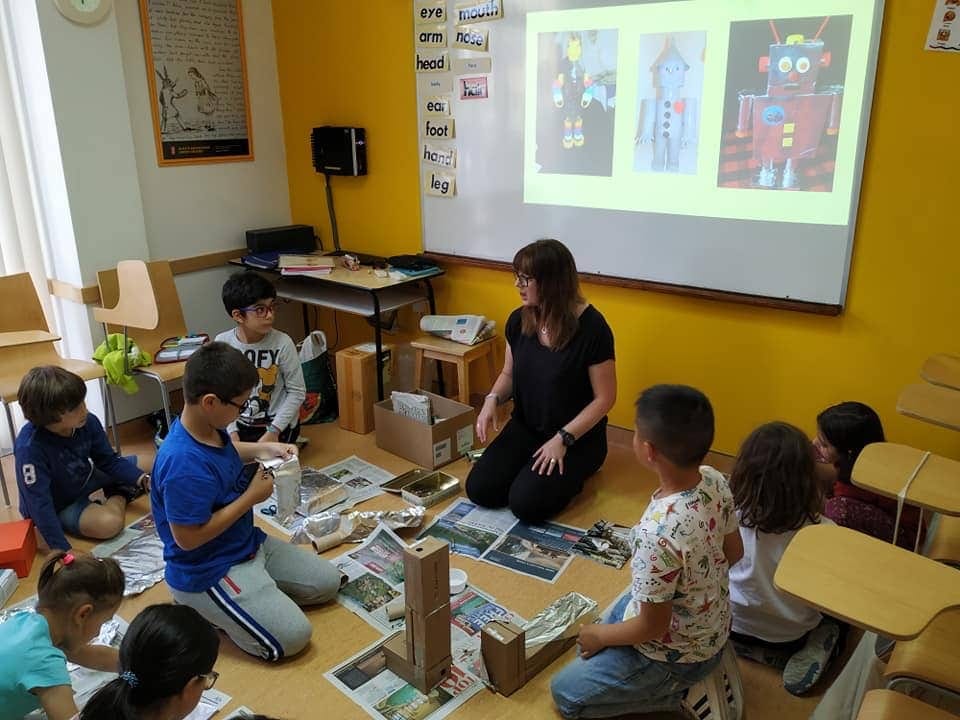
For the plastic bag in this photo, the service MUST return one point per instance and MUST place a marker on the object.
(320, 405)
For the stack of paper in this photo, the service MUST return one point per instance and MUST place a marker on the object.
(466, 329)
(306, 265)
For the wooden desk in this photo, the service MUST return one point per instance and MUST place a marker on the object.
(884, 468)
(942, 370)
(890, 705)
(26, 337)
(357, 292)
(865, 581)
(932, 404)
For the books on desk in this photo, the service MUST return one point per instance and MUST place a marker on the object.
(306, 265)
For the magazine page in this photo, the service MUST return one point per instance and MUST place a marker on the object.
(364, 678)
(469, 529)
(374, 573)
(540, 551)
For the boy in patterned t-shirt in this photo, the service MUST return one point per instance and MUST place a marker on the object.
(668, 631)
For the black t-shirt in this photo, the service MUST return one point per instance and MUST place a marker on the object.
(551, 387)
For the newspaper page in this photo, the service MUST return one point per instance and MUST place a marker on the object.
(470, 529)
(361, 481)
(129, 533)
(374, 573)
(496, 536)
(364, 678)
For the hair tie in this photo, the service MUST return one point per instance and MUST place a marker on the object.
(130, 678)
(67, 559)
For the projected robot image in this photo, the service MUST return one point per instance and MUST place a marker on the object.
(577, 81)
(669, 102)
(785, 137)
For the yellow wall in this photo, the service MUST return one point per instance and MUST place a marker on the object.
(351, 63)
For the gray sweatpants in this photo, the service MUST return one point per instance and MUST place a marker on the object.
(256, 603)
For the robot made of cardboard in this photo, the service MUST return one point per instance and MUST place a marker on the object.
(572, 91)
(791, 119)
(669, 120)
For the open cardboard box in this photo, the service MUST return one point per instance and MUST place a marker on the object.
(429, 446)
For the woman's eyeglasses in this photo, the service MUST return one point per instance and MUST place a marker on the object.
(521, 280)
(209, 679)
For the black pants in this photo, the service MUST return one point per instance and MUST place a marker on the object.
(503, 476)
(252, 433)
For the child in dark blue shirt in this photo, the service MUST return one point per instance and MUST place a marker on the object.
(63, 457)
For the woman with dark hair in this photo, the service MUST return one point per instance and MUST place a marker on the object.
(843, 431)
(559, 369)
(166, 662)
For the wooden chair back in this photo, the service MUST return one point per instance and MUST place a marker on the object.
(20, 307)
(136, 304)
(161, 293)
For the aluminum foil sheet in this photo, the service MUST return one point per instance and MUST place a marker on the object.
(28, 605)
(318, 491)
(556, 620)
(327, 529)
(142, 563)
(286, 482)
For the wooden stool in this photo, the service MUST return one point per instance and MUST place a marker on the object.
(429, 347)
(890, 705)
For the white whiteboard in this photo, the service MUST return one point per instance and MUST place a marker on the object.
(709, 222)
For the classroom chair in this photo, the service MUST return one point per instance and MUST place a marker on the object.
(723, 699)
(934, 404)
(429, 347)
(942, 370)
(889, 705)
(944, 543)
(25, 342)
(930, 660)
(143, 296)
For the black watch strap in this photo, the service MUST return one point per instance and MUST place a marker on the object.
(568, 438)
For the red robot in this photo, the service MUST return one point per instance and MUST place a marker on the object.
(789, 122)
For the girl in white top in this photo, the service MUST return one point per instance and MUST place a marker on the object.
(776, 491)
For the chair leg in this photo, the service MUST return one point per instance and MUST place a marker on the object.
(164, 396)
(13, 440)
(111, 413)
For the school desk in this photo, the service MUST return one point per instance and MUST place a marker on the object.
(932, 404)
(943, 370)
(886, 468)
(357, 292)
(866, 582)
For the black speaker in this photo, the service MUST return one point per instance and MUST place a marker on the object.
(339, 150)
(288, 238)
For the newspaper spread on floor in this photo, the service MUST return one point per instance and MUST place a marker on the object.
(139, 552)
(364, 678)
(359, 479)
(496, 536)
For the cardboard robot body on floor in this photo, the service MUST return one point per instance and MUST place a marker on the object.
(421, 654)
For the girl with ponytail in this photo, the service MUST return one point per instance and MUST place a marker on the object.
(166, 662)
(76, 595)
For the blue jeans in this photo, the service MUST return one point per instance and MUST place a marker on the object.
(621, 680)
(98, 480)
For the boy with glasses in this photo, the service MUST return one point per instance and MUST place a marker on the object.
(242, 581)
(272, 413)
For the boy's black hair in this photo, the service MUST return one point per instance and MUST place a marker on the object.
(678, 421)
(849, 427)
(218, 369)
(47, 392)
(774, 480)
(245, 288)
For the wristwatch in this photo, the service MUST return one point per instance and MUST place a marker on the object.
(567, 437)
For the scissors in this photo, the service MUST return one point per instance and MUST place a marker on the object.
(269, 510)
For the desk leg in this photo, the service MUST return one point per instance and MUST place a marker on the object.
(378, 339)
(306, 319)
(431, 301)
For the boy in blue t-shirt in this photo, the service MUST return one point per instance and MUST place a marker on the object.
(244, 582)
(63, 456)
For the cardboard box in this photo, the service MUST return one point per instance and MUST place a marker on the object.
(357, 384)
(18, 546)
(501, 645)
(427, 635)
(429, 446)
(423, 679)
(426, 572)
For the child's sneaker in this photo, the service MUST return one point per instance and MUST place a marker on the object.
(808, 664)
(696, 704)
